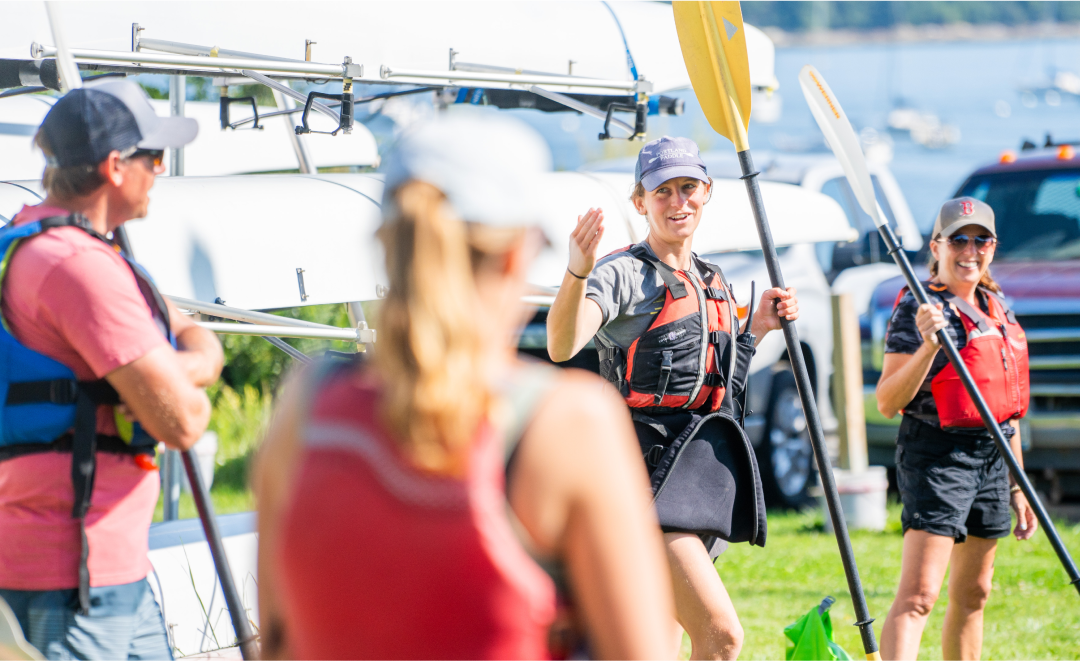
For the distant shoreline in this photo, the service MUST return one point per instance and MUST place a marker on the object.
(953, 32)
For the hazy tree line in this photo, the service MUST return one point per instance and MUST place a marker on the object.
(819, 15)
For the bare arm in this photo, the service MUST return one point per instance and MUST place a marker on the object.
(272, 477)
(574, 319)
(198, 349)
(157, 392)
(902, 374)
(580, 489)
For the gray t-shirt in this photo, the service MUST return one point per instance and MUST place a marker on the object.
(630, 294)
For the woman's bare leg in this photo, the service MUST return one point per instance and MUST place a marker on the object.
(969, 587)
(702, 604)
(925, 560)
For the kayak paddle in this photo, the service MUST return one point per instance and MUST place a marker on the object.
(713, 42)
(845, 145)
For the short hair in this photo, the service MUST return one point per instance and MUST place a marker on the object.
(69, 182)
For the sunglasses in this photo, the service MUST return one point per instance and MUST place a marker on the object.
(155, 156)
(959, 242)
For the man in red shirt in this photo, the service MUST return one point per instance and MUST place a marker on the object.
(78, 584)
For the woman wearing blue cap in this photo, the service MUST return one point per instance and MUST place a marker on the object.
(665, 326)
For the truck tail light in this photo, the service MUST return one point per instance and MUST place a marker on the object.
(1066, 152)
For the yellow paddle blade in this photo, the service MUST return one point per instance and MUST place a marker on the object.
(713, 44)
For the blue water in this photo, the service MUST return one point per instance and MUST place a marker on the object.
(960, 82)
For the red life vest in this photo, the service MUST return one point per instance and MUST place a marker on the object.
(996, 354)
(359, 575)
(676, 363)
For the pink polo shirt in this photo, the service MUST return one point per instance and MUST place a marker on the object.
(71, 297)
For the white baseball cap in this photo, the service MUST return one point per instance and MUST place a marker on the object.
(489, 166)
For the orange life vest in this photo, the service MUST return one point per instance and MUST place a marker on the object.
(677, 362)
(996, 354)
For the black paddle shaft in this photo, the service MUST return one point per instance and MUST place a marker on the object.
(241, 626)
(813, 420)
(984, 410)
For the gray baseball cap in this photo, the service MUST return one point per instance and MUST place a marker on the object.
(86, 124)
(666, 158)
(960, 212)
(488, 166)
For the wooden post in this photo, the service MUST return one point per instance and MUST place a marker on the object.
(848, 384)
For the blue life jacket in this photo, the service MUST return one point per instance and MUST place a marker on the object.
(45, 408)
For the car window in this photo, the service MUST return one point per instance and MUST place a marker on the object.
(1037, 213)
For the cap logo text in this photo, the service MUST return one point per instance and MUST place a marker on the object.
(967, 208)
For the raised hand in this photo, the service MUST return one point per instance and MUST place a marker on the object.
(929, 320)
(584, 242)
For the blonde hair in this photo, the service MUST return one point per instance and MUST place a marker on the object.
(431, 353)
(987, 280)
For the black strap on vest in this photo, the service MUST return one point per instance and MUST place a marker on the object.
(667, 274)
(665, 376)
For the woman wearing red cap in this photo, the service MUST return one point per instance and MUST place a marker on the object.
(953, 481)
(664, 325)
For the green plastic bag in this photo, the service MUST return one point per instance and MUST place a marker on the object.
(811, 637)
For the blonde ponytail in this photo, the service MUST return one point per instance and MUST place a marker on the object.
(431, 352)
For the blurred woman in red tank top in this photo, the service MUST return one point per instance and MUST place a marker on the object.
(383, 518)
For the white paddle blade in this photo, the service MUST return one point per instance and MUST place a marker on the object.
(65, 64)
(841, 138)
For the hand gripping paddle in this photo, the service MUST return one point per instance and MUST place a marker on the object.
(713, 44)
(845, 145)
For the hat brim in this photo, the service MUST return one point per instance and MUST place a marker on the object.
(170, 133)
(956, 226)
(653, 180)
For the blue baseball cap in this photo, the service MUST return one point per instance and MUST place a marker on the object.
(86, 124)
(667, 158)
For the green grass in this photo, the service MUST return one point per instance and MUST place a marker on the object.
(1033, 613)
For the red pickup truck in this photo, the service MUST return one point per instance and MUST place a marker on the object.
(1036, 200)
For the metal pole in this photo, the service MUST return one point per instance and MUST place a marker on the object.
(241, 626)
(984, 410)
(813, 421)
(170, 484)
(177, 96)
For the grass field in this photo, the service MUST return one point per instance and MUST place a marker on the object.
(1033, 613)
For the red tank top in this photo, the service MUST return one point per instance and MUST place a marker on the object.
(381, 560)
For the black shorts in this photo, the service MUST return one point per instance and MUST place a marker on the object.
(951, 485)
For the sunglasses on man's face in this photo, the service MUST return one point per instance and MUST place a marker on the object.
(959, 242)
(155, 156)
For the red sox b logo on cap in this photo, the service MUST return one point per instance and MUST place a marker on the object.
(966, 208)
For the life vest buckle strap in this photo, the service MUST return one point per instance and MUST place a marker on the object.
(715, 294)
(665, 376)
(715, 380)
(55, 391)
